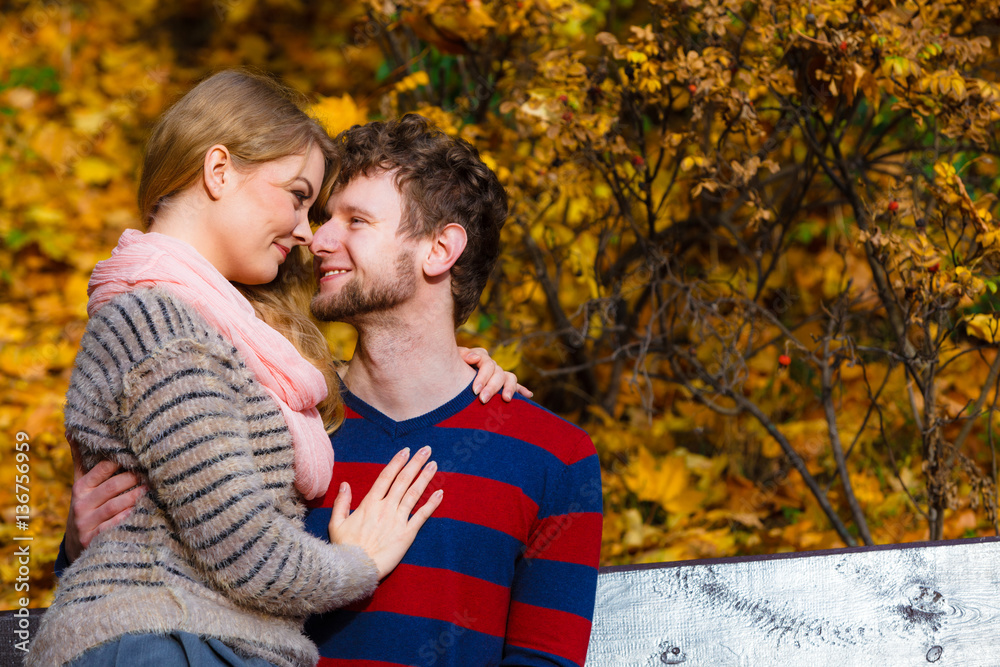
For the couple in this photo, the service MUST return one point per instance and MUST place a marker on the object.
(222, 419)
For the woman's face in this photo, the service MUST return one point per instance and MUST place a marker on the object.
(263, 215)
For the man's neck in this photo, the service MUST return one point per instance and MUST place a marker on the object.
(406, 371)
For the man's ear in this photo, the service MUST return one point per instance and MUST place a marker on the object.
(217, 170)
(445, 249)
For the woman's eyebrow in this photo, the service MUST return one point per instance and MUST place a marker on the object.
(308, 184)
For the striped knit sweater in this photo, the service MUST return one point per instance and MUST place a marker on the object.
(217, 546)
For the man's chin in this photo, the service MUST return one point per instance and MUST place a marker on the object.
(326, 309)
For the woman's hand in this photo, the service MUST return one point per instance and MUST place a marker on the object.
(382, 524)
(491, 378)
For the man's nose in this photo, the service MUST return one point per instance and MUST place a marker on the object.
(325, 239)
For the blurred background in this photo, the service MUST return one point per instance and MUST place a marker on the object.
(751, 248)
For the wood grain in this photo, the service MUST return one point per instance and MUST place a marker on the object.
(931, 603)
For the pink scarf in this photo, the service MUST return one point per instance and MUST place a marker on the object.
(156, 260)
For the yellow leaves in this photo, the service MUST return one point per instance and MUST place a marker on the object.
(52, 141)
(669, 481)
(413, 81)
(899, 67)
(95, 171)
(984, 326)
(336, 114)
(692, 161)
(508, 357)
(944, 82)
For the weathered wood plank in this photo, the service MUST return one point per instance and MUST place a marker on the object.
(930, 603)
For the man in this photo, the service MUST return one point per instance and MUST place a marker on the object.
(505, 570)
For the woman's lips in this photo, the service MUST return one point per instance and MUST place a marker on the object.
(283, 249)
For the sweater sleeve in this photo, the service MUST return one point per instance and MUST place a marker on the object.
(206, 480)
(555, 581)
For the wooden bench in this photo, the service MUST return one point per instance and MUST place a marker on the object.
(911, 604)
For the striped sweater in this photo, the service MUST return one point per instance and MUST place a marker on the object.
(505, 570)
(217, 545)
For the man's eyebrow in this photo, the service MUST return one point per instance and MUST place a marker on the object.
(355, 209)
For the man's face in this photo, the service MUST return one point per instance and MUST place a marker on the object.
(364, 269)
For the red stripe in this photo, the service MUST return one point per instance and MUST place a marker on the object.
(568, 538)
(528, 422)
(443, 595)
(489, 496)
(548, 630)
(339, 662)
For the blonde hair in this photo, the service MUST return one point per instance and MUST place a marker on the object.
(258, 120)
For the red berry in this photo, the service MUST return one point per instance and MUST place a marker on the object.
(563, 99)
(692, 88)
(568, 116)
(893, 206)
(843, 46)
(638, 161)
(784, 360)
(933, 268)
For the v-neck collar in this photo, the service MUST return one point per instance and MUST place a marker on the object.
(397, 429)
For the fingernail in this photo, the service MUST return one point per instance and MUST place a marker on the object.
(432, 466)
(426, 449)
(438, 493)
(343, 487)
(476, 388)
(404, 452)
(484, 398)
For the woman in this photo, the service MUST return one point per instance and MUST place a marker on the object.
(218, 413)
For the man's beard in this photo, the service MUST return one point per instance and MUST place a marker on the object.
(356, 301)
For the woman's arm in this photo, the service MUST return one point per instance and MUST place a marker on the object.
(183, 418)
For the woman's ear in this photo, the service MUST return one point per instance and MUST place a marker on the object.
(217, 170)
(445, 249)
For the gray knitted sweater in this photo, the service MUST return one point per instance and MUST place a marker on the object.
(216, 547)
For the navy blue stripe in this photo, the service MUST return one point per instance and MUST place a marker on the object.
(184, 398)
(198, 467)
(176, 426)
(537, 578)
(166, 316)
(255, 570)
(121, 340)
(135, 331)
(243, 550)
(213, 486)
(163, 382)
(411, 641)
(111, 355)
(233, 528)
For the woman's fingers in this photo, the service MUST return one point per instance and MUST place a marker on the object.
(421, 515)
(341, 504)
(405, 478)
(388, 474)
(416, 490)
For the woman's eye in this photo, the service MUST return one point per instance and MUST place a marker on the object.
(302, 197)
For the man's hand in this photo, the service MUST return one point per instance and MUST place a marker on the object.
(382, 524)
(490, 378)
(99, 501)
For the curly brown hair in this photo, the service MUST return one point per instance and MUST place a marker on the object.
(441, 180)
